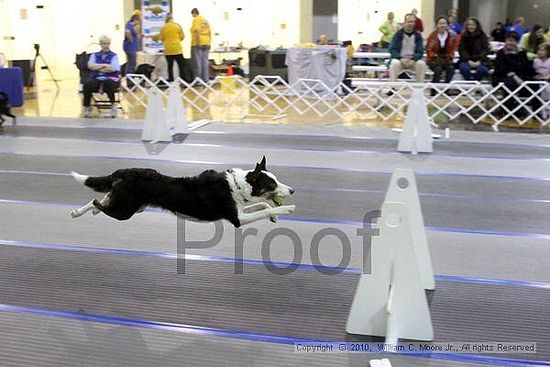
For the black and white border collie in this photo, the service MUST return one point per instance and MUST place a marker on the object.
(239, 196)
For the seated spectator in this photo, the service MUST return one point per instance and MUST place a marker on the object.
(454, 25)
(406, 50)
(512, 68)
(387, 29)
(499, 33)
(542, 67)
(105, 74)
(517, 27)
(453, 12)
(507, 24)
(323, 40)
(473, 49)
(531, 41)
(440, 50)
(418, 25)
(547, 35)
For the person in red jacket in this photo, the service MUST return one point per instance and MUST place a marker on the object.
(440, 49)
(418, 25)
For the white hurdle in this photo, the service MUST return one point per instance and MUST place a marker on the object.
(403, 189)
(155, 128)
(391, 301)
(416, 136)
(175, 112)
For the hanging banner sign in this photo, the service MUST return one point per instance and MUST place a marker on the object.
(153, 18)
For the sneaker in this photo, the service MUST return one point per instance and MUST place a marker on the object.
(113, 111)
(452, 92)
(87, 112)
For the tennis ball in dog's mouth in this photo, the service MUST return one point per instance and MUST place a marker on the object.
(279, 199)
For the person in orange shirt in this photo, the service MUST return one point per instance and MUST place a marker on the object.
(200, 45)
(440, 49)
(171, 36)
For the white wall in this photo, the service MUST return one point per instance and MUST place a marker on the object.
(489, 12)
(359, 20)
(62, 28)
(258, 23)
(19, 19)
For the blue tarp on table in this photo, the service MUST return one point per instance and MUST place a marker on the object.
(11, 82)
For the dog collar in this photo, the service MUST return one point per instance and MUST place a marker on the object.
(239, 188)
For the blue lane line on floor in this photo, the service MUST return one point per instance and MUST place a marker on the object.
(211, 145)
(329, 189)
(314, 221)
(278, 264)
(328, 168)
(249, 336)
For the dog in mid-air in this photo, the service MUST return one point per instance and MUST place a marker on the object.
(5, 109)
(239, 196)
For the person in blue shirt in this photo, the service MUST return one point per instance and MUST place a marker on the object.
(517, 27)
(104, 74)
(454, 25)
(131, 44)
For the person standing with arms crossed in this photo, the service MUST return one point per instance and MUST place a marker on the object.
(200, 45)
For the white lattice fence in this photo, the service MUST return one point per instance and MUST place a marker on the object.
(271, 96)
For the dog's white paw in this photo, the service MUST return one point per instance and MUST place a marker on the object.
(285, 209)
(75, 213)
(95, 211)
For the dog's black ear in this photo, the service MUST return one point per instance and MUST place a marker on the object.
(252, 176)
(261, 166)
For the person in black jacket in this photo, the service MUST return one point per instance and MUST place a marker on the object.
(512, 68)
(473, 50)
(499, 33)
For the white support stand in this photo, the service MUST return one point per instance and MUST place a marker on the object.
(384, 362)
(175, 114)
(391, 301)
(403, 189)
(155, 128)
(416, 136)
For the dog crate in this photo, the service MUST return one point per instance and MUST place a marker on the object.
(267, 62)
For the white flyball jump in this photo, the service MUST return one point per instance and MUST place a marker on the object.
(175, 112)
(391, 300)
(170, 125)
(155, 128)
(416, 136)
(403, 189)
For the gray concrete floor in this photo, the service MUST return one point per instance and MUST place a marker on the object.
(485, 199)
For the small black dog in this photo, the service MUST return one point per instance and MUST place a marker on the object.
(143, 69)
(5, 109)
